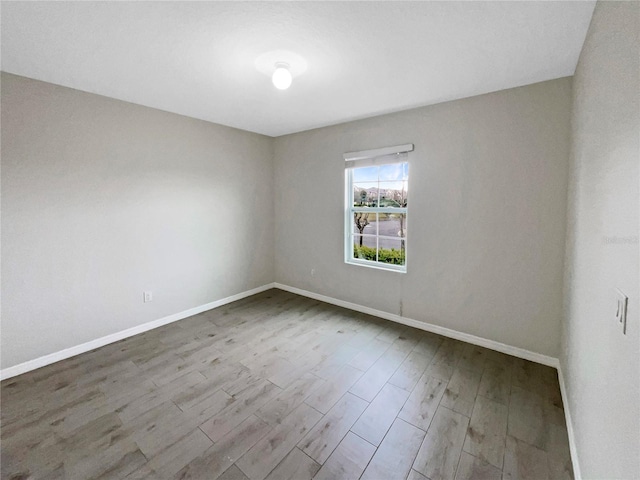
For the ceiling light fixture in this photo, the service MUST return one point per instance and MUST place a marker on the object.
(282, 77)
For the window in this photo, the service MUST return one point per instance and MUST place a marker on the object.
(376, 208)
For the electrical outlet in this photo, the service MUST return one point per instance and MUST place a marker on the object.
(148, 296)
(621, 310)
(313, 272)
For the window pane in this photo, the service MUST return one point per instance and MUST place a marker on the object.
(390, 195)
(391, 172)
(364, 223)
(366, 174)
(365, 194)
(405, 171)
(364, 248)
(402, 219)
(393, 194)
(393, 224)
(404, 192)
(391, 250)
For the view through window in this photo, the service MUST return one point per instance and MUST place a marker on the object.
(377, 215)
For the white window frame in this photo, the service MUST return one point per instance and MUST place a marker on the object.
(381, 156)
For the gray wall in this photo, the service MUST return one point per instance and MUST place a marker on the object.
(600, 365)
(102, 199)
(487, 214)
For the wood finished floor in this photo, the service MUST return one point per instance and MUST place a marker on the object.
(277, 386)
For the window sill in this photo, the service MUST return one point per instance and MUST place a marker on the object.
(377, 265)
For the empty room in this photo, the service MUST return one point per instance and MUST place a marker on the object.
(320, 240)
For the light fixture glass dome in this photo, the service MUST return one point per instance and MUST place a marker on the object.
(282, 76)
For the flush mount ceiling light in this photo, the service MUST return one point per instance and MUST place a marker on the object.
(282, 66)
(282, 77)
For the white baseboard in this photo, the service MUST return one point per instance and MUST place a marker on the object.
(465, 337)
(577, 474)
(446, 332)
(114, 337)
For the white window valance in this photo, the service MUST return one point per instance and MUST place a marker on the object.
(378, 156)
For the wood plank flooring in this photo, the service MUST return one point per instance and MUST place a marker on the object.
(278, 386)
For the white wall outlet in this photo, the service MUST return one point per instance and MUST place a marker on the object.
(621, 310)
(148, 296)
(313, 272)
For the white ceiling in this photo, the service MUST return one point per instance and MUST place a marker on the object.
(363, 58)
